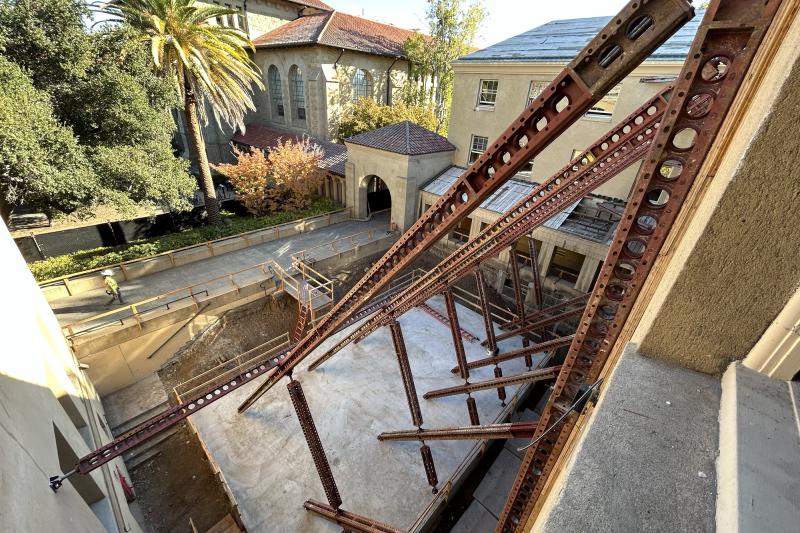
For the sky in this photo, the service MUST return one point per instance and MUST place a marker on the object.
(505, 19)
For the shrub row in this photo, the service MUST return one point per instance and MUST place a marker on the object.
(64, 265)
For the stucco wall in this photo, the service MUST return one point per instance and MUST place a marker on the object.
(328, 85)
(402, 174)
(513, 83)
(42, 391)
(737, 264)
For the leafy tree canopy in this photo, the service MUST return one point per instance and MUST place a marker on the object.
(368, 115)
(94, 93)
(453, 27)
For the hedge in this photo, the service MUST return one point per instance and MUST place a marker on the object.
(64, 265)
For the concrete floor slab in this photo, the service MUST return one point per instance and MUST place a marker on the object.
(493, 490)
(354, 396)
(476, 519)
(646, 461)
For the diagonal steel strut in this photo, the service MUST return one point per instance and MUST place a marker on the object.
(622, 45)
(510, 430)
(601, 162)
(526, 377)
(718, 61)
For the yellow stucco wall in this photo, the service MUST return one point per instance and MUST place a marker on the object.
(513, 83)
(43, 393)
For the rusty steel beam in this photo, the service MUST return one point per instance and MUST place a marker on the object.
(544, 313)
(349, 521)
(472, 408)
(511, 430)
(622, 146)
(517, 379)
(516, 282)
(541, 324)
(486, 312)
(717, 64)
(458, 345)
(405, 373)
(621, 46)
(314, 444)
(466, 335)
(546, 346)
(537, 280)
(430, 467)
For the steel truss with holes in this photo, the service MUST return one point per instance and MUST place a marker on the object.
(620, 46)
(720, 56)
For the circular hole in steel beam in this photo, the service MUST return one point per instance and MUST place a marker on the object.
(684, 139)
(646, 224)
(670, 170)
(635, 248)
(715, 68)
(657, 198)
(699, 105)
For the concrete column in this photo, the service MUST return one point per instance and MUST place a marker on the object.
(545, 256)
(587, 273)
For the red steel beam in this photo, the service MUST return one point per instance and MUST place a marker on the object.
(517, 379)
(546, 346)
(349, 521)
(541, 324)
(511, 430)
(544, 313)
(717, 64)
(619, 148)
(627, 40)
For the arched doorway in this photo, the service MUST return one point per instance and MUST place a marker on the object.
(378, 196)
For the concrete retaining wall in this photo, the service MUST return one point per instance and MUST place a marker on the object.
(143, 267)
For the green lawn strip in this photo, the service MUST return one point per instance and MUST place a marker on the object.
(64, 265)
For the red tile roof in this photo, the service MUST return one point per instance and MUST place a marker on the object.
(313, 3)
(333, 155)
(338, 30)
(404, 138)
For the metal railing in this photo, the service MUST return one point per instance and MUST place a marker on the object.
(230, 368)
(346, 214)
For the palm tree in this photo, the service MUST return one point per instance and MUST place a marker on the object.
(208, 62)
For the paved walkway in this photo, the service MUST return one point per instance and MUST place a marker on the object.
(73, 308)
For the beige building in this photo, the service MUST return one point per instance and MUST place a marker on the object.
(491, 88)
(314, 61)
(51, 415)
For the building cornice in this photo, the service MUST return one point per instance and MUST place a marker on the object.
(648, 68)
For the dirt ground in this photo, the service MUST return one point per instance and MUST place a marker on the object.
(179, 484)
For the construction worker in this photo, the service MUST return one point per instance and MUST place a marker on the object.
(112, 288)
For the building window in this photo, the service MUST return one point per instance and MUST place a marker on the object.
(362, 85)
(566, 264)
(487, 96)
(275, 91)
(477, 148)
(605, 107)
(534, 90)
(297, 92)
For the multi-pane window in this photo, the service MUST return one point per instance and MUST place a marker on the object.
(477, 147)
(275, 91)
(487, 96)
(362, 85)
(534, 90)
(605, 107)
(298, 92)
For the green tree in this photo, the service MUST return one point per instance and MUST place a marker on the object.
(41, 162)
(368, 115)
(453, 27)
(100, 89)
(208, 64)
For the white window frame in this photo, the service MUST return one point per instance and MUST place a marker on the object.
(472, 150)
(535, 88)
(488, 91)
(611, 98)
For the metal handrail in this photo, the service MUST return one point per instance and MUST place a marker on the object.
(121, 265)
(264, 350)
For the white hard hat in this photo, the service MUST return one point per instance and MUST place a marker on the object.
(107, 272)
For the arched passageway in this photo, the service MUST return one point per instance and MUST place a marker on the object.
(378, 195)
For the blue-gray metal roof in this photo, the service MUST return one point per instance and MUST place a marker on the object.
(502, 199)
(561, 40)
